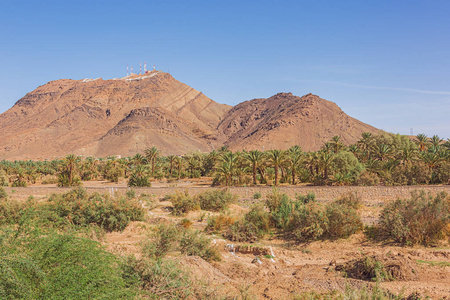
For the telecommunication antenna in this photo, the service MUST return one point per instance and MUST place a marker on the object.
(145, 67)
(131, 70)
(154, 67)
(127, 71)
(140, 67)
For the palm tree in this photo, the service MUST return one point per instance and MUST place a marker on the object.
(422, 141)
(152, 155)
(436, 141)
(336, 144)
(70, 165)
(295, 156)
(254, 158)
(171, 159)
(139, 159)
(275, 159)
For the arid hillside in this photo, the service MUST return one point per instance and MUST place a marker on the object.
(127, 115)
(284, 120)
(108, 117)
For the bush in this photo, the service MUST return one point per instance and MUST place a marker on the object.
(182, 202)
(162, 241)
(421, 219)
(310, 197)
(139, 177)
(242, 231)
(215, 200)
(54, 266)
(194, 243)
(259, 218)
(108, 213)
(343, 220)
(350, 199)
(282, 214)
(4, 181)
(220, 222)
(309, 222)
(368, 179)
(114, 174)
(257, 195)
(274, 199)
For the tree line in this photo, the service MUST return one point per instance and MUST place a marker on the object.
(383, 159)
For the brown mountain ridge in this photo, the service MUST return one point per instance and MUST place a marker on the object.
(128, 115)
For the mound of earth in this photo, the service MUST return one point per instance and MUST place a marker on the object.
(384, 267)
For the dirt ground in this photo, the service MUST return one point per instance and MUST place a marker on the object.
(283, 269)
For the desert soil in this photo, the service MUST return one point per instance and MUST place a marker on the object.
(295, 267)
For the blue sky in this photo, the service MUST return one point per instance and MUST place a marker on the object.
(386, 63)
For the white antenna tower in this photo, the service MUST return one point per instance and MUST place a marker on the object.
(140, 67)
(128, 71)
(145, 67)
(153, 67)
(131, 70)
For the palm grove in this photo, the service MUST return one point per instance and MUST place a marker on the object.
(385, 159)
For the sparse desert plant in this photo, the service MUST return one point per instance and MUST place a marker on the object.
(186, 223)
(163, 240)
(4, 181)
(194, 243)
(343, 220)
(274, 199)
(109, 213)
(422, 219)
(215, 200)
(242, 231)
(350, 199)
(182, 202)
(220, 222)
(310, 197)
(257, 195)
(309, 222)
(259, 218)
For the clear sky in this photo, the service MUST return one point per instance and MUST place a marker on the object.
(384, 62)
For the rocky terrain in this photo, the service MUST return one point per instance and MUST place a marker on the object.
(127, 115)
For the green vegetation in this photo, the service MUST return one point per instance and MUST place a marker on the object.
(422, 219)
(385, 159)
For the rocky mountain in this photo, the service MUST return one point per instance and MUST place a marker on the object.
(127, 115)
(284, 120)
(110, 117)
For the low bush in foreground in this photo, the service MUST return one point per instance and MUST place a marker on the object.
(55, 266)
(422, 219)
(211, 200)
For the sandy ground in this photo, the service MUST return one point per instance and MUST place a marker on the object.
(291, 268)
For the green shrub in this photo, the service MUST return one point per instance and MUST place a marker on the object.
(131, 193)
(215, 200)
(63, 180)
(309, 222)
(219, 222)
(162, 241)
(343, 220)
(310, 197)
(259, 218)
(274, 199)
(257, 195)
(3, 194)
(282, 214)
(4, 181)
(55, 266)
(182, 202)
(422, 219)
(194, 243)
(114, 174)
(242, 231)
(139, 177)
(108, 213)
(162, 278)
(350, 199)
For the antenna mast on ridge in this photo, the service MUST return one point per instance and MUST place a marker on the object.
(140, 67)
(145, 67)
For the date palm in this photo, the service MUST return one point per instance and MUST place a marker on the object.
(254, 158)
(275, 159)
(422, 141)
(152, 156)
(295, 156)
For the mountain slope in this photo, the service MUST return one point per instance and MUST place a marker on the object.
(73, 116)
(284, 120)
